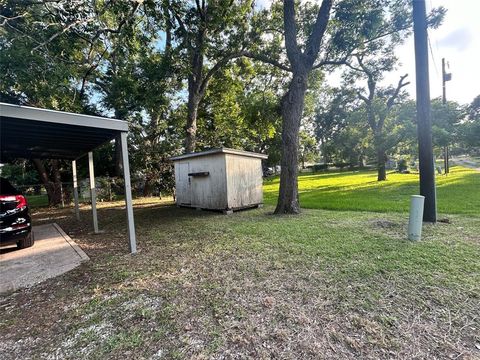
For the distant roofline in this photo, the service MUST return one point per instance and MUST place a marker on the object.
(220, 151)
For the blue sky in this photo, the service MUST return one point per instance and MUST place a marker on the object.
(457, 40)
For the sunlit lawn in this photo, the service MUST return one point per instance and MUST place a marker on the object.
(457, 193)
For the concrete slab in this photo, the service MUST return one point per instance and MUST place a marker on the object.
(53, 254)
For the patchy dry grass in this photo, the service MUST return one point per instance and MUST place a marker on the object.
(320, 285)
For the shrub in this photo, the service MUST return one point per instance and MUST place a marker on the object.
(341, 165)
(402, 165)
(319, 167)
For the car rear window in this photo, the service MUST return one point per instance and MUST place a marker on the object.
(6, 188)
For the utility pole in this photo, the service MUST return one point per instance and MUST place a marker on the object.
(445, 77)
(424, 125)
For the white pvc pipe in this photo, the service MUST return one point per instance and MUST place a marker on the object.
(75, 189)
(93, 194)
(416, 217)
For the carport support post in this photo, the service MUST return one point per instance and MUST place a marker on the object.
(93, 195)
(75, 189)
(128, 193)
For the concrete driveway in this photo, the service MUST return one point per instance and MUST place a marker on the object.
(53, 253)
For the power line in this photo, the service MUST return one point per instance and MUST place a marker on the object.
(431, 53)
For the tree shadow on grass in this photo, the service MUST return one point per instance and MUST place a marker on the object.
(456, 194)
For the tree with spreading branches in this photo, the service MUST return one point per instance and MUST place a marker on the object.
(51, 51)
(329, 35)
(208, 34)
(379, 103)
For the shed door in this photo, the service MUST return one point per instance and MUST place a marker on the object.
(184, 193)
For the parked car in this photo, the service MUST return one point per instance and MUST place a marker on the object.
(15, 221)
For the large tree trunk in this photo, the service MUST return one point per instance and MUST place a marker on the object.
(325, 154)
(149, 186)
(361, 161)
(381, 163)
(191, 128)
(53, 188)
(292, 109)
(293, 101)
(195, 94)
(381, 155)
(148, 189)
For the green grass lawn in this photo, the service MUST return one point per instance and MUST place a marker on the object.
(341, 284)
(457, 193)
(37, 200)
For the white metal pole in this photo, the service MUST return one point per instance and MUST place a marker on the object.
(75, 189)
(93, 195)
(416, 217)
(128, 193)
(61, 195)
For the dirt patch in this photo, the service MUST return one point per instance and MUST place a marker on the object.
(384, 224)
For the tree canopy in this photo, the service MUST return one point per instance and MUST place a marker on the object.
(191, 75)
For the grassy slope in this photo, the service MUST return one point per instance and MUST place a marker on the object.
(457, 193)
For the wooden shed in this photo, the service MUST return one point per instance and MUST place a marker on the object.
(219, 179)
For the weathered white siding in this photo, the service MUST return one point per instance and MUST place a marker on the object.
(182, 183)
(234, 179)
(244, 181)
(209, 192)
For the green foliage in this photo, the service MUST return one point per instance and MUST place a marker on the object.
(331, 117)
(225, 22)
(307, 148)
(343, 131)
(32, 77)
(130, 60)
(53, 52)
(469, 129)
(402, 165)
(239, 109)
(385, 27)
(49, 50)
(446, 119)
(19, 173)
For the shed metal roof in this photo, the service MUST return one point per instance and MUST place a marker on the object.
(29, 132)
(220, 151)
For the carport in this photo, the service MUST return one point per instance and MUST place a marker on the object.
(28, 132)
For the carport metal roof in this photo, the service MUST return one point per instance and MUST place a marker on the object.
(28, 132)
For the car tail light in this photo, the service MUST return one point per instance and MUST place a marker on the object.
(20, 199)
